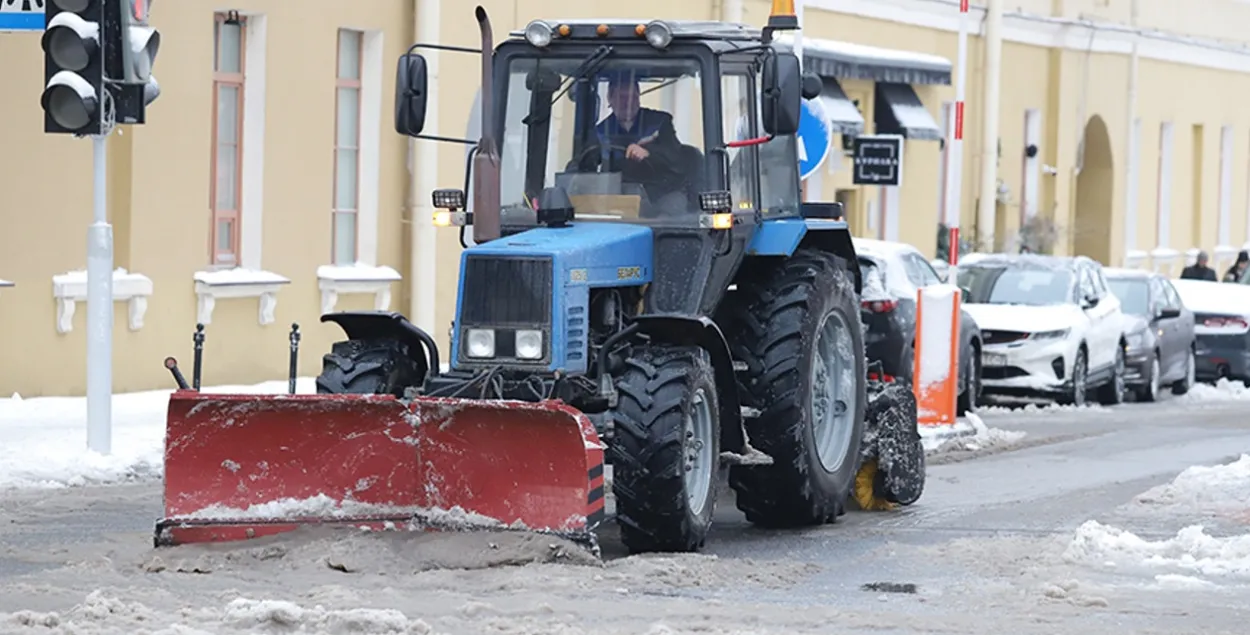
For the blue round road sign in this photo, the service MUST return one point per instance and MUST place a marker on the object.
(815, 138)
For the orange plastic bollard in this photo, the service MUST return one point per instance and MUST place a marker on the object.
(935, 375)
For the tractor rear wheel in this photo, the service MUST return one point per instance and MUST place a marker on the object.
(665, 452)
(798, 330)
(368, 367)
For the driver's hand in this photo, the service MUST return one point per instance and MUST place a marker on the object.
(636, 152)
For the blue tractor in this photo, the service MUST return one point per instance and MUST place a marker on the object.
(664, 305)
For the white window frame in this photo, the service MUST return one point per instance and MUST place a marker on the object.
(365, 275)
(248, 279)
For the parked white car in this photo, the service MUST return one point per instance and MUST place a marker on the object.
(1051, 327)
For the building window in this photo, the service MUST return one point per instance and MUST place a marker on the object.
(1163, 223)
(229, 34)
(347, 148)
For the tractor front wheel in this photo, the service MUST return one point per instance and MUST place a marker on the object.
(368, 367)
(665, 452)
(798, 330)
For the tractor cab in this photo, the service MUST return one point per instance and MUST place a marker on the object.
(682, 124)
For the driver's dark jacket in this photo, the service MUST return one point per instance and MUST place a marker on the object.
(661, 172)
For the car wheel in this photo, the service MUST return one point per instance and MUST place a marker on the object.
(968, 399)
(1080, 371)
(1191, 364)
(1112, 392)
(1150, 392)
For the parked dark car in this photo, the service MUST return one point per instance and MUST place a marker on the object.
(1222, 326)
(1159, 329)
(893, 274)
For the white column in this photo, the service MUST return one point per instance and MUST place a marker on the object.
(423, 277)
(986, 212)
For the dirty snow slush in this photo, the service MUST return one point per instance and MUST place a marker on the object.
(1000, 543)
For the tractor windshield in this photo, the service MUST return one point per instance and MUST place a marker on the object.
(622, 136)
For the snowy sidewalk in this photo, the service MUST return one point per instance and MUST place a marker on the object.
(43, 441)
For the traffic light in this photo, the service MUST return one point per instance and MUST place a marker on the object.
(73, 65)
(139, 54)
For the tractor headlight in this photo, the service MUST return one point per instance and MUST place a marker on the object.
(529, 344)
(481, 343)
(658, 34)
(538, 33)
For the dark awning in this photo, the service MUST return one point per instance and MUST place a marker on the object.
(842, 113)
(898, 110)
(844, 60)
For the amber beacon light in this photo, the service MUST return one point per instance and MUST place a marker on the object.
(782, 15)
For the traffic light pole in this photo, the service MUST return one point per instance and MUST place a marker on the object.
(100, 309)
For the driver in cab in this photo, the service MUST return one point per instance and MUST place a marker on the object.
(642, 144)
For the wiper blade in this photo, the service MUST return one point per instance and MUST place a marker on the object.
(588, 66)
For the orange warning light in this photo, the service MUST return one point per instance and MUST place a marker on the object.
(782, 16)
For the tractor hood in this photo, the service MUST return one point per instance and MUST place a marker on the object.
(590, 252)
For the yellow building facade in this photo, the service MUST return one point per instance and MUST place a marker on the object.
(268, 185)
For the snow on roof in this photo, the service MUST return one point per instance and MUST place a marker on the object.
(1202, 296)
(1123, 272)
(865, 54)
(1041, 261)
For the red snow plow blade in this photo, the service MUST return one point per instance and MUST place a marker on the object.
(246, 466)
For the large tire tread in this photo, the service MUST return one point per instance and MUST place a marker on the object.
(655, 392)
(368, 367)
(769, 331)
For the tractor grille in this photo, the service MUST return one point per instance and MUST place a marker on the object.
(501, 291)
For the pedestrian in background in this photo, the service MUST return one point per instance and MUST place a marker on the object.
(1199, 270)
(1238, 269)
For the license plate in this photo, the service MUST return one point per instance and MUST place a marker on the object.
(995, 359)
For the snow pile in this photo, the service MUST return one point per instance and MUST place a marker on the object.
(983, 437)
(104, 615)
(43, 441)
(1216, 488)
(1223, 390)
(1191, 551)
(1037, 409)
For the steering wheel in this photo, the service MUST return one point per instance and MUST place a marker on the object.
(598, 147)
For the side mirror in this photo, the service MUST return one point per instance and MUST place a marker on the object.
(782, 98)
(1089, 302)
(1169, 313)
(964, 293)
(410, 94)
(812, 85)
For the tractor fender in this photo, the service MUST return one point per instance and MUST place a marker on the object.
(703, 332)
(388, 325)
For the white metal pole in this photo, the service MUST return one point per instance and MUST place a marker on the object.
(955, 150)
(423, 281)
(100, 311)
(731, 11)
(987, 211)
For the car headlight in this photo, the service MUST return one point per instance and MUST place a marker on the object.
(529, 344)
(481, 343)
(1136, 340)
(1050, 335)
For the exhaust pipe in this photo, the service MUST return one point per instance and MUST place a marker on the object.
(486, 179)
